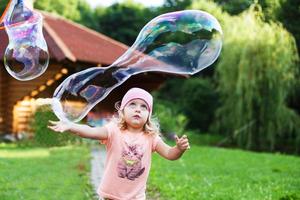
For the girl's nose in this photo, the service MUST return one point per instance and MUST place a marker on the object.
(138, 109)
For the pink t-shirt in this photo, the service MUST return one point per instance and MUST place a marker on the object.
(127, 165)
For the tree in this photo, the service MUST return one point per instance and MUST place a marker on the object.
(123, 21)
(255, 78)
(174, 5)
(234, 7)
(75, 10)
(286, 12)
(3, 5)
(195, 97)
(87, 15)
(66, 8)
(289, 15)
(270, 8)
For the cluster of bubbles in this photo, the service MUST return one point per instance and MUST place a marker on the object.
(183, 42)
(26, 56)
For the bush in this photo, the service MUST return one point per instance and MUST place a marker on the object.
(171, 121)
(195, 97)
(199, 102)
(43, 135)
(196, 138)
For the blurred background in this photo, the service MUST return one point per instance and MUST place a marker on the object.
(250, 95)
(248, 99)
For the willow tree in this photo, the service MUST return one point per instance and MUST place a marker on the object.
(256, 72)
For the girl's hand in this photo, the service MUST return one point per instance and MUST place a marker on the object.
(59, 126)
(182, 143)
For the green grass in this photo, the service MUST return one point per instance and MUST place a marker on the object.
(35, 173)
(208, 173)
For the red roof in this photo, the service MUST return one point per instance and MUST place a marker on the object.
(74, 42)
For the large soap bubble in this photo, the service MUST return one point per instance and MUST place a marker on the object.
(26, 56)
(183, 42)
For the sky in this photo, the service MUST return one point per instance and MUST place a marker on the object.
(95, 3)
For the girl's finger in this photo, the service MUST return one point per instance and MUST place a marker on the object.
(184, 140)
(185, 144)
(51, 127)
(53, 122)
(184, 136)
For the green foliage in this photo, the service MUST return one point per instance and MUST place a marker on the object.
(256, 72)
(194, 97)
(234, 7)
(199, 101)
(271, 8)
(3, 5)
(174, 5)
(66, 8)
(289, 15)
(75, 10)
(286, 12)
(214, 173)
(212, 8)
(170, 120)
(87, 15)
(204, 139)
(45, 173)
(43, 135)
(123, 21)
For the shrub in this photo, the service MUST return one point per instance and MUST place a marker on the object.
(195, 97)
(43, 135)
(196, 138)
(171, 121)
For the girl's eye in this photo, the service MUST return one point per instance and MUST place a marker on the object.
(132, 104)
(144, 107)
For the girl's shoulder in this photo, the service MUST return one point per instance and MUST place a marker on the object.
(112, 127)
(153, 136)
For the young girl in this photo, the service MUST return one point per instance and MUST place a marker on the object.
(130, 140)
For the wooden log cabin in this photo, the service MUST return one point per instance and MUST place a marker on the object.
(72, 48)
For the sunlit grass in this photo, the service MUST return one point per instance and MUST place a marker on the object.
(204, 173)
(36, 173)
(24, 154)
(209, 173)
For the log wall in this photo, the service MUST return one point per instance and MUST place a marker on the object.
(13, 91)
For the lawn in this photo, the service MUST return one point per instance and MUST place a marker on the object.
(206, 173)
(34, 173)
(209, 173)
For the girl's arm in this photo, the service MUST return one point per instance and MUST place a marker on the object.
(173, 153)
(84, 131)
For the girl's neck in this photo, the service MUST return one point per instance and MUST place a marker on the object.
(134, 130)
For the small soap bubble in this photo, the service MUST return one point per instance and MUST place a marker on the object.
(26, 56)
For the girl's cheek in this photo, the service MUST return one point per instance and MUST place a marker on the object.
(146, 115)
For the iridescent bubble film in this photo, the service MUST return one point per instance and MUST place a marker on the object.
(183, 42)
(26, 56)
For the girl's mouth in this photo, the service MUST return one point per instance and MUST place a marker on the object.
(136, 116)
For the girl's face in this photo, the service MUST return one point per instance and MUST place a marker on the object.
(136, 113)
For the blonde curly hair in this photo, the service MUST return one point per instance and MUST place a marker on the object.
(151, 127)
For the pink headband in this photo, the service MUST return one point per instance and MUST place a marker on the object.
(137, 93)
